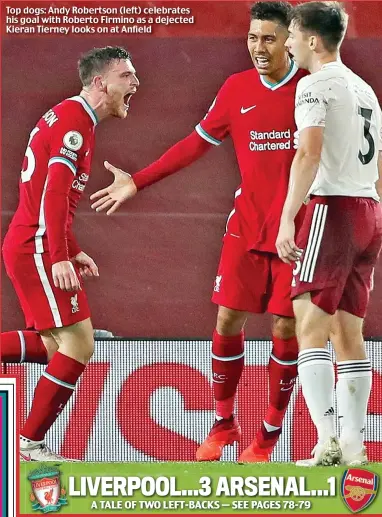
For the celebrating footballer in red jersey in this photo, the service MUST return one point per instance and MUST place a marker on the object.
(255, 108)
(55, 170)
(41, 256)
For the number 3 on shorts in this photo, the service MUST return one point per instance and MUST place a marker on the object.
(27, 174)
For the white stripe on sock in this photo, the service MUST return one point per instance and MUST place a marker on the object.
(282, 362)
(232, 358)
(270, 427)
(22, 345)
(58, 381)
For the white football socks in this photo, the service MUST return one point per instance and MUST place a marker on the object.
(353, 392)
(316, 374)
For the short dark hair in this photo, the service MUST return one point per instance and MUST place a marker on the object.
(272, 11)
(327, 19)
(96, 60)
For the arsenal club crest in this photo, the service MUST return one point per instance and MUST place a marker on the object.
(359, 488)
(47, 495)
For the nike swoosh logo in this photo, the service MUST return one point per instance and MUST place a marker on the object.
(287, 389)
(245, 110)
(25, 458)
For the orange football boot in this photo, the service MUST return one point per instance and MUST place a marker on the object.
(224, 432)
(256, 454)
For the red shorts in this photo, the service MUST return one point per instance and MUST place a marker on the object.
(252, 281)
(341, 238)
(44, 305)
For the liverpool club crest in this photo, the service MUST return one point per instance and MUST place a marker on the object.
(47, 495)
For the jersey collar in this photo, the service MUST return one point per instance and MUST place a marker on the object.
(89, 110)
(290, 74)
(333, 64)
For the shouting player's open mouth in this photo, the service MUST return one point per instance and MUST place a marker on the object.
(261, 62)
(127, 98)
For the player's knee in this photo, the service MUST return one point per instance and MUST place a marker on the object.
(51, 349)
(336, 334)
(76, 341)
(283, 328)
(50, 345)
(230, 322)
(86, 348)
(81, 351)
(88, 351)
(346, 336)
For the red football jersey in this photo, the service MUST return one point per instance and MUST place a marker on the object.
(259, 116)
(54, 174)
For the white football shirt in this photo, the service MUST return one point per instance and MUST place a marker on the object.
(346, 106)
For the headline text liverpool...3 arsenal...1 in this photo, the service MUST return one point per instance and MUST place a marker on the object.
(234, 486)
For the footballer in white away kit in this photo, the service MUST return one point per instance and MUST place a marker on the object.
(338, 163)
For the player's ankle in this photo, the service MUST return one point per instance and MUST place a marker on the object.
(28, 442)
(274, 417)
(351, 443)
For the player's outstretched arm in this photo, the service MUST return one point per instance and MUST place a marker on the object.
(112, 197)
(124, 186)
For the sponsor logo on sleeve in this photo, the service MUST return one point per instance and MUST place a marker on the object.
(69, 154)
(306, 98)
(80, 182)
(73, 140)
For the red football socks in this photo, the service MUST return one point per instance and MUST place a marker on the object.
(21, 346)
(51, 395)
(227, 367)
(282, 371)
